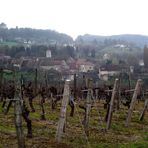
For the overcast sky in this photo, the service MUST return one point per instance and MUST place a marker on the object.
(78, 17)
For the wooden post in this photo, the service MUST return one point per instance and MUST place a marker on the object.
(42, 112)
(14, 77)
(112, 104)
(1, 75)
(87, 80)
(21, 88)
(84, 81)
(88, 107)
(52, 102)
(144, 110)
(138, 85)
(62, 119)
(18, 122)
(36, 79)
(1, 80)
(75, 86)
(96, 90)
(129, 80)
(118, 95)
(46, 80)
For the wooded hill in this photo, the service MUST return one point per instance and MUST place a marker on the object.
(138, 40)
(36, 36)
(40, 36)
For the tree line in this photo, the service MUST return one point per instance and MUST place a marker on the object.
(34, 35)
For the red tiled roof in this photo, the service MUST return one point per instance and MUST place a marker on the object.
(112, 68)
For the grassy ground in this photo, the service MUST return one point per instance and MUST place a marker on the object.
(10, 44)
(135, 136)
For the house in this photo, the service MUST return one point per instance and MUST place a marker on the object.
(141, 63)
(28, 63)
(84, 66)
(3, 26)
(108, 71)
(46, 64)
(17, 63)
(58, 65)
(48, 53)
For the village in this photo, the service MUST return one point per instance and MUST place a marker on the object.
(72, 65)
(60, 92)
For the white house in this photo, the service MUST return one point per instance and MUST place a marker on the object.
(48, 53)
(108, 71)
(84, 66)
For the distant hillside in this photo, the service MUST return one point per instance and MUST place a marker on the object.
(36, 36)
(139, 40)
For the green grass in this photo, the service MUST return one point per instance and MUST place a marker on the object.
(8, 43)
(135, 136)
(28, 76)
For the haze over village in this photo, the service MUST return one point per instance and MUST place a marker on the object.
(103, 56)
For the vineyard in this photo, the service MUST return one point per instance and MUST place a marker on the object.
(68, 115)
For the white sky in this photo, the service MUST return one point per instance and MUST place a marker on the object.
(78, 17)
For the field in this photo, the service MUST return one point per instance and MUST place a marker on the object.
(135, 136)
(10, 44)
